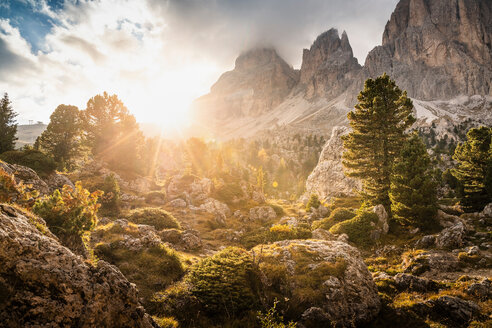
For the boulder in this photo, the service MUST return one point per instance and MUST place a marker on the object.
(28, 176)
(446, 220)
(262, 213)
(426, 242)
(487, 211)
(190, 240)
(383, 218)
(408, 282)
(177, 203)
(434, 261)
(216, 207)
(452, 237)
(328, 179)
(57, 181)
(45, 285)
(482, 289)
(258, 197)
(454, 308)
(344, 294)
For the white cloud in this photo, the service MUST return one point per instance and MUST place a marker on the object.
(160, 55)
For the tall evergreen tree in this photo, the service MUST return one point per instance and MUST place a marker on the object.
(8, 126)
(379, 121)
(413, 189)
(62, 139)
(112, 132)
(474, 170)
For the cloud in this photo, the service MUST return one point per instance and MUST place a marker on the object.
(159, 55)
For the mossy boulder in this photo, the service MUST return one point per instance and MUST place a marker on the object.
(216, 289)
(338, 215)
(153, 216)
(318, 283)
(362, 230)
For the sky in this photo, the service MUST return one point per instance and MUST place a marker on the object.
(158, 55)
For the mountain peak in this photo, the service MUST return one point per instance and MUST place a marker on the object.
(437, 49)
(328, 65)
(256, 57)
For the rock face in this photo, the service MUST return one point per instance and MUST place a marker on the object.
(327, 178)
(27, 176)
(437, 49)
(348, 295)
(329, 66)
(260, 80)
(45, 284)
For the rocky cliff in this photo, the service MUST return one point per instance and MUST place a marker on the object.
(437, 49)
(329, 66)
(43, 284)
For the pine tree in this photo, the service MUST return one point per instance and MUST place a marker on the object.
(62, 139)
(112, 132)
(8, 126)
(379, 121)
(413, 189)
(474, 170)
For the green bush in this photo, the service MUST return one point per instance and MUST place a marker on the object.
(338, 215)
(222, 287)
(279, 210)
(34, 159)
(286, 231)
(69, 212)
(228, 192)
(154, 216)
(152, 269)
(313, 202)
(358, 228)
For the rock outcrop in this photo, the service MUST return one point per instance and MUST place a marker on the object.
(345, 295)
(28, 176)
(437, 49)
(329, 66)
(327, 179)
(44, 284)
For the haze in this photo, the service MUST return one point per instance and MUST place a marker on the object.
(158, 56)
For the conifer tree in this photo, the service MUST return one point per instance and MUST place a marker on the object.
(62, 139)
(112, 132)
(378, 122)
(8, 126)
(474, 170)
(413, 189)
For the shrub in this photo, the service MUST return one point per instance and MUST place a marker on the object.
(221, 287)
(111, 198)
(157, 196)
(313, 202)
(152, 269)
(286, 231)
(271, 319)
(11, 191)
(225, 282)
(154, 216)
(166, 322)
(228, 192)
(338, 215)
(358, 228)
(302, 287)
(69, 212)
(34, 159)
(279, 210)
